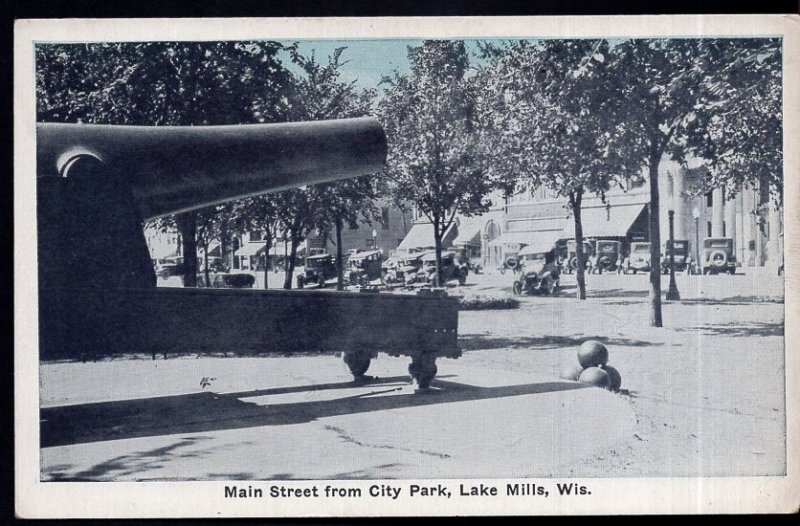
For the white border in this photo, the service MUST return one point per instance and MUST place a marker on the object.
(205, 499)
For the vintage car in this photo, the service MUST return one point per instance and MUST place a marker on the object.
(400, 268)
(682, 257)
(639, 258)
(719, 255)
(539, 271)
(364, 267)
(319, 269)
(572, 255)
(170, 266)
(607, 255)
(451, 269)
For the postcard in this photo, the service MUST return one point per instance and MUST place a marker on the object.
(356, 267)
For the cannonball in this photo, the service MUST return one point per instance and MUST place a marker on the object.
(592, 353)
(615, 379)
(571, 372)
(596, 377)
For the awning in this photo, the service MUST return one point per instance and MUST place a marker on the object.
(541, 241)
(614, 221)
(469, 234)
(421, 237)
(250, 249)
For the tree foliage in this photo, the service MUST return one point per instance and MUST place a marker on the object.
(165, 84)
(738, 123)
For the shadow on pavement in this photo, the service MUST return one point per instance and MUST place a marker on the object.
(736, 330)
(733, 300)
(616, 293)
(126, 465)
(208, 411)
(479, 342)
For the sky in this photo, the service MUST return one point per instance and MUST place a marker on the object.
(368, 60)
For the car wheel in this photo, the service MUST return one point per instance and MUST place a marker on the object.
(732, 271)
(462, 277)
(300, 282)
(517, 288)
(321, 282)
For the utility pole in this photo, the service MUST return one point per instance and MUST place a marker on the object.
(672, 293)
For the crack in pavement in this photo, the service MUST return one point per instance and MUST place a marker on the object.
(347, 438)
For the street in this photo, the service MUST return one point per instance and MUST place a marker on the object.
(703, 396)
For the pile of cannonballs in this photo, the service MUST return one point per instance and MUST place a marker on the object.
(592, 367)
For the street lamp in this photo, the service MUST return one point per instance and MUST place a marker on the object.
(672, 293)
(374, 238)
(696, 216)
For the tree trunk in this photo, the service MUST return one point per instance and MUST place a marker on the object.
(580, 271)
(437, 239)
(339, 255)
(187, 225)
(205, 264)
(287, 282)
(267, 245)
(655, 242)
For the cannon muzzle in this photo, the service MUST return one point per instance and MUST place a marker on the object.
(176, 169)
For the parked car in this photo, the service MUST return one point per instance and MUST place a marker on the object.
(319, 269)
(719, 255)
(400, 268)
(451, 269)
(682, 257)
(607, 255)
(539, 272)
(639, 258)
(170, 266)
(572, 256)
(364, 267)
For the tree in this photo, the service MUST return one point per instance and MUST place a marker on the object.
(434, 160)
(677, 93)
(550, 117)
(164, 84)
(321, 94)
(660, 82)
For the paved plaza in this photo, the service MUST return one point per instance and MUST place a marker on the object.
(703, 396)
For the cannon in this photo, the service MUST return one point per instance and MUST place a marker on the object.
(96, 184)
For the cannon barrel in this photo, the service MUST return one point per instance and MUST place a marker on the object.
(176, 169)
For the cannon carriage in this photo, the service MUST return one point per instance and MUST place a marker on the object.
(97, 285)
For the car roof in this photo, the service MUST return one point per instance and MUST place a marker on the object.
(362, 255)
(431, 255)
(319, 256)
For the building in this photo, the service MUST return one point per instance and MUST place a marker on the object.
(386, 234)
(542, 218)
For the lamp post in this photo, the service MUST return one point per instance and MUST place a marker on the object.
(696, 216)
(672, 293)
(374, 239)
